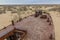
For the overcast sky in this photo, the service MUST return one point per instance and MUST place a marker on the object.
(29, 2)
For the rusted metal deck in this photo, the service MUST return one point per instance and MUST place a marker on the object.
(37, 28)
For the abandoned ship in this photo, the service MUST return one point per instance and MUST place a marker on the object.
(26, 23)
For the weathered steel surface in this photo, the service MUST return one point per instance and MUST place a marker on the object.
(37, 28)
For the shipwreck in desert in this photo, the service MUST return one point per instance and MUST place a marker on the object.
(29, 22)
